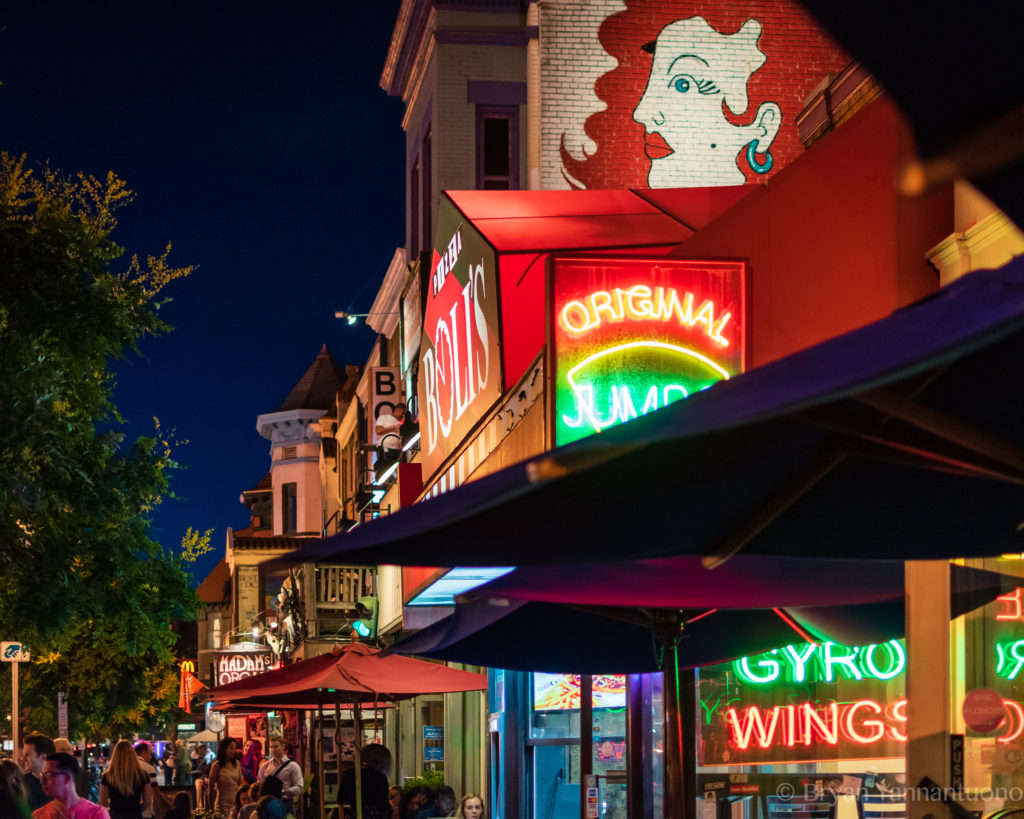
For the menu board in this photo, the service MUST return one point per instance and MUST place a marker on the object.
(561, 692)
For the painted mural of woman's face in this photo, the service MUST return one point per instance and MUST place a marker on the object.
(696, 70)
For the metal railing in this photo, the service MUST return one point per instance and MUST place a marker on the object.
(338, 588)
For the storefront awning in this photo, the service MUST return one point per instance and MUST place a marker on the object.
(498, 630)
(900, 440)
(533, 221)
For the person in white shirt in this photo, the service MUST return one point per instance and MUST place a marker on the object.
(389, 428)
(145, 754)
(280, 767)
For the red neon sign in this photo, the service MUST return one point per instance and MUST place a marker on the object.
(1010, 605)
(630, 335)
(863, 722)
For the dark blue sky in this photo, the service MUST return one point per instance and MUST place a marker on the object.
(258, 141)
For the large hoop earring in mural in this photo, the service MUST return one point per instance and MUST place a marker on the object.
(758, 167)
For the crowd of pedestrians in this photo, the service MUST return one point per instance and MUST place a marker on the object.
(238, 784)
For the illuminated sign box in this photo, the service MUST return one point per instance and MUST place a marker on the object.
(629, 335)
(805, 703)
(561, 692)
(460, 358)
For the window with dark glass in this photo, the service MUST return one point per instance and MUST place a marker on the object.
(426, 162)
(289, 507)
(497, 148)
(414, 208)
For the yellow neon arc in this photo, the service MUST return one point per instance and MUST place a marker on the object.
(686, 351)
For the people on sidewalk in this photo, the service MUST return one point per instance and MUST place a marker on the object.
(376, 766)
(60, 771)
(225, 777)
(35, 748)
(13, 797)
(125, 788)
(280, 767)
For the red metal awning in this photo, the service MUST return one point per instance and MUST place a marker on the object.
(533, 221)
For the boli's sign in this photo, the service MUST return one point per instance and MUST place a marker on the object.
(460, 362)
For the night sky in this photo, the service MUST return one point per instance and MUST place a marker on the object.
(258, 141)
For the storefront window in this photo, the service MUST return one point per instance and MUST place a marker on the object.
(987, 660)
(553, 763)
(821, 726)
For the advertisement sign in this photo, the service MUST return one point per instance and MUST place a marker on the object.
(385, 394)
(561, 692)
(460, 361)
(412, 326)
(630, 335)
(802, 703)
(433, 743)
(234, 666)
(676, 93)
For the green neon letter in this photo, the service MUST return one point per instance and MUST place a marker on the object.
(799, 661)
(897, 660)
(1011, 656)
(744, 672)
(844, 660)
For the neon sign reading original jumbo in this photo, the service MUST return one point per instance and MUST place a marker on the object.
(633, 335)
(640, 303)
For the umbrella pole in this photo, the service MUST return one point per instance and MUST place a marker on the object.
(674, 797)
(357, 759)
(320, 752)
(680, 754)
(337, 751)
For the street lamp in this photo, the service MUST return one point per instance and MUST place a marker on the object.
(351, 318)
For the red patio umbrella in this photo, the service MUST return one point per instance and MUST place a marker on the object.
(353, 673)
(350, 675)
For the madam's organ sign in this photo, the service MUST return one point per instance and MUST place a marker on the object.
(460, 364)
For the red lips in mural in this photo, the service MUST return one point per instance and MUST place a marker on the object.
(655, 145)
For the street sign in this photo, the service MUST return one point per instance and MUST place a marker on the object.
(14, 653)
(62, 715)
(11, 652)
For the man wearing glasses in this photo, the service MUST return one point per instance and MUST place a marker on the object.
(59, 774)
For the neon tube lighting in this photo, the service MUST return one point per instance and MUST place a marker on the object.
(390, 471)
(661, 345)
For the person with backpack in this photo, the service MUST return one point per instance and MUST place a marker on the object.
(278, 766)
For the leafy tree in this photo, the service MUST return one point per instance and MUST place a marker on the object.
(81, 580)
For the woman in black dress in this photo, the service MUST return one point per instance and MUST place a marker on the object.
(124, 789)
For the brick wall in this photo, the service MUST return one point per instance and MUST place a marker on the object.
(594, 74)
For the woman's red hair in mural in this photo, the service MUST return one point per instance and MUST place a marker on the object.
(704, 94)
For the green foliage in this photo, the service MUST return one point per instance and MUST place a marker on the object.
(195, 545)
(81, 581)
(430, 779)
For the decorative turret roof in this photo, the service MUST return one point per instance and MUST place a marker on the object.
(216, 587)
(318, 386)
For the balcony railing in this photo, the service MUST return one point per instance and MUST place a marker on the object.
(338, 588)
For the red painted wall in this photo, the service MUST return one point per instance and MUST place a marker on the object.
(832, 246)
